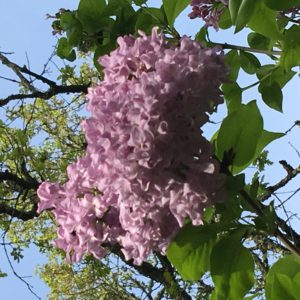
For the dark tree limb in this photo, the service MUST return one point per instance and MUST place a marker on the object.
(53, 89)
(25, 184)
(25, 70)
(17, 70)
(19, 214)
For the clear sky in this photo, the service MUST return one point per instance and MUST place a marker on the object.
(24, 29)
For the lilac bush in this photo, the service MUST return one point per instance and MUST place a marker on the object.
(147, 168)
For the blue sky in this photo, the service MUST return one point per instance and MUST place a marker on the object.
(24, 29)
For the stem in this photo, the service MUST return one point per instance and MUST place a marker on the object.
(260, 80)
(248, 49)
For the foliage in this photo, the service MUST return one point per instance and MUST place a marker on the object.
(244, 249)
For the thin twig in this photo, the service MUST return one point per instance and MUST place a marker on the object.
(295, 149)
(248, 49)
(271, 189)
(259, 209)
(29, 287)
(17, 70)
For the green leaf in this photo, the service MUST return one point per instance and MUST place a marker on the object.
(2, 274)
(225, 20)
(144, 22)
(290, 56)
(234, 6)
(271, 94)
(113, 7)
(139, 2)
(72, 26)
(275, 73)
(231, 209)
(263, 21)
(90, 14)
(65, 50)
(244, 14)
(100, 51)
(281, 5)
(149, 18)
(190, 251)
(252, 297)
(233, 96)
(232, 60)
(249, 62)
(201, 35)
(173, 8)
(125, 21)
(267, 222)
(264, 140)
(258, 41)
(232, 269)
(283, 279)
(240, 132)
(208, 214)
(282, 22)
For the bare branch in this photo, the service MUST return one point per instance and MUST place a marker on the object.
(292, 173)
(18, 71)
(259, 209)
(52, 91)
(29, 287)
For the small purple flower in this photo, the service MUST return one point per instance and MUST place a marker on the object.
(208, 10)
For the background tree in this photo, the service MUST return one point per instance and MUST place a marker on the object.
(247, 246)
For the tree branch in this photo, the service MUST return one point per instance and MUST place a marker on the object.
(32, 184)
(248, 49)
(20, 214)
(37, 76)
(292, 173)
(18, 71)
(156, 274)
(52, 91)
(259, 209)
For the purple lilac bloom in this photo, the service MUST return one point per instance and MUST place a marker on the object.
(147, 167)
(208, 10)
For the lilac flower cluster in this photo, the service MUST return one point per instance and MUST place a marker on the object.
(208, 10)
(147, 168)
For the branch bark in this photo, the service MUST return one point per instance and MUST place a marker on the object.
(291, 173)
(53, 89)
(25, 184)
(20, 214)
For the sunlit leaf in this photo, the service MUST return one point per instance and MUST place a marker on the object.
(190, 251)
(283, 279)
(232, 269)
(173, 8)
